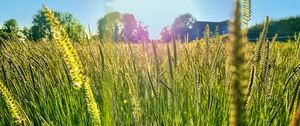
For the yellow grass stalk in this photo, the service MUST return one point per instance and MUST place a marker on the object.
(250, 86)
(72, 60)
(63, 43)
(12, 106)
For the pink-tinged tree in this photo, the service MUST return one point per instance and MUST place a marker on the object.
(129, 28)
(166, 34)
(132, 31)
(142, 33)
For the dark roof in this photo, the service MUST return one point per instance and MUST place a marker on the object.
(200, 26)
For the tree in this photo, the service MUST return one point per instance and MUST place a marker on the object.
(108, 26)
(10, 26)
(115, 26)
(142, 33)
(133, 31)
(74, 29)
(10, 29)
(129, 28)
(183, 25)
(26, 32)
(41, 29)
(166, 34)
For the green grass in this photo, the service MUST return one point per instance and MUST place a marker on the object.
(38, 78)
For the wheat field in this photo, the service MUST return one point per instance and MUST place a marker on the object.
(173, 85)
(149, 83)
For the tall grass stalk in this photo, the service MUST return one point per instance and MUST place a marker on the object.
(238, 115)
(261, 40)
(206, 35)
(136, 109)
(12, 105)
(72, 60)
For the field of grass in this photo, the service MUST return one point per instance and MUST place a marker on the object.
(173, 84)
(206, 82)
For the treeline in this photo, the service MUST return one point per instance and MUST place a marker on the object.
(40, 29)
(285, 28)
(113, 27)
(116, 27)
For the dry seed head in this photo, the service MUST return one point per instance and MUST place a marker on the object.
(265, 62)
(261, 40)
(270, 79)
(250, 86)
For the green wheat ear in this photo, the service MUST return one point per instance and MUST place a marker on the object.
(74, 65)
(12, 105)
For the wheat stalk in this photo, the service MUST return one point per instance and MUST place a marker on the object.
(133, 98)
(265, 63)
(261, 40)
(206, 39)
(247, 12)
(72, 60)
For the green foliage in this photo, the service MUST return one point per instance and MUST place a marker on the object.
(9, 30)
(26, 32)
(182, 25)
(108, 26)
(286, 27)
(10, 26)
(115, 27)
(41, 30)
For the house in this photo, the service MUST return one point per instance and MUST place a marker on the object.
(199, 27)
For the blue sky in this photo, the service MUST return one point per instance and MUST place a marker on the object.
(153, 13)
